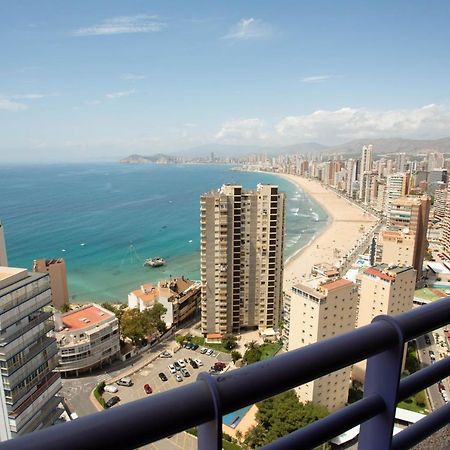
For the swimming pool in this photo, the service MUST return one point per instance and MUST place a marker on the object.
(232, 419)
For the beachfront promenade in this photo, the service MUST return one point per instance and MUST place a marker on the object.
(348, 224)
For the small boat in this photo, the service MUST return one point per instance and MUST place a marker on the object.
(155, 262)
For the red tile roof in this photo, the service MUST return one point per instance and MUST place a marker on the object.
(336, 284)
(85, 317)
(377, 273)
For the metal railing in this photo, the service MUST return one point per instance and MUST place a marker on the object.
(204, 402)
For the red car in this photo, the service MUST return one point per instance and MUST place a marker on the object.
(219, 366)
(147, 389)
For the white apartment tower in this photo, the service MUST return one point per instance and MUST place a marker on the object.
(3, 254)
(397, 185)
(242, 237)
(365, 171)
(28, 384)
(385, 289)
(315, 310)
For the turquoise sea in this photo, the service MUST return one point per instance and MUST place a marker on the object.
(105, 219)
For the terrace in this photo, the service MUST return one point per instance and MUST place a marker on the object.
(204, 402)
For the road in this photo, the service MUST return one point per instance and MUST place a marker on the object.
(424, 357)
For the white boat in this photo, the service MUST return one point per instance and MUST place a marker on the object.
(155, 262)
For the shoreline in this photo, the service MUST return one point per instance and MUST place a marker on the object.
(344, 219)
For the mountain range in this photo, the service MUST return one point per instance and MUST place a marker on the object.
(381, 146)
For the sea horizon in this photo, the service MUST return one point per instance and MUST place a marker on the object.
(106, 219)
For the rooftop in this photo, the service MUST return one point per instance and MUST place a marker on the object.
(336, 284)
(85, 317)
(6, 272)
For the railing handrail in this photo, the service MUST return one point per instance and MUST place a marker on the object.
(204, 401)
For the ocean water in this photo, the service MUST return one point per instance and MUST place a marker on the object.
(105, 219)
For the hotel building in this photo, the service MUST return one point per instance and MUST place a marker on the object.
(397, 185)
(87, 337)
(28, 385)
(180, 296)
(315, 310)
(56, 268)
(385, 289)
(242, 240)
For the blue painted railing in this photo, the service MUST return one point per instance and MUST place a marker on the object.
(204, 402)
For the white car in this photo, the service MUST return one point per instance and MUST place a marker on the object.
(181, 363)
(110, 388)
(198, 362)
(178, 377)
(172, 368)
(209, 352)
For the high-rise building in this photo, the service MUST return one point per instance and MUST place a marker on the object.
(3, 254)
(56, 268)
(440, 201)
(315, 310)
(435, 160)
(242, 240)
(435, 178)
(446, 227)
(405, 239)
(365, 171)
(397, 185)
(385, 289)
(28, 385)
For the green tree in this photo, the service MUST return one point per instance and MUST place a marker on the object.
(65, 307)
(279, 416)
(229, 341)
(253, 353)
(235, 356)
(133, 326)
(179, 338)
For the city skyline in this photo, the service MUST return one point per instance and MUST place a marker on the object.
(98, 82)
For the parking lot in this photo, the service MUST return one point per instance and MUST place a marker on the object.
(149, 374)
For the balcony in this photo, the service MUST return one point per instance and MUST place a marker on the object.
(204, 402)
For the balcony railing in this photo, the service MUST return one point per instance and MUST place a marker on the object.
(204, 402)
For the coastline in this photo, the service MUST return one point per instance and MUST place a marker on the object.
(344, 220)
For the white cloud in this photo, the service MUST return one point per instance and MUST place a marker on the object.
(249, 29)
(120, 94)
(9, 105)
(316, 79)
(141, 23)
(429, 121)
(29, 96)
(133, 77)
(241, 130)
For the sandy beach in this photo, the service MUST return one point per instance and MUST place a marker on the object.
(347, 223)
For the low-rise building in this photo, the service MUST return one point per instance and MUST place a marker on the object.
(88, 337)
(180, 296)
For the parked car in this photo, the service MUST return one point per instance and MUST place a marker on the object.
(209, 352)
(432, 357)
(194, 346)
(198, 362)
(110, 388)
(172, 368)
(112, 401)
(203, 350)
(125, 382)
(427, 339)
(181, 363)
(219, 365)
(162, 376)
(178, 377)
(147, 389)
(177, 365)
(193, 364)
(166, 354)
(185, 373)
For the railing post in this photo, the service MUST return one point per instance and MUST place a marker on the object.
(383, 378)
(210, 433)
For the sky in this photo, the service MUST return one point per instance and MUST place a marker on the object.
(96, 80)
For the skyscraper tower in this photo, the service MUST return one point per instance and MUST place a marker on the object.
(242, 236)
(3, 255)
(365, 170)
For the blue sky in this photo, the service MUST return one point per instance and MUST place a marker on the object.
(95, 80)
